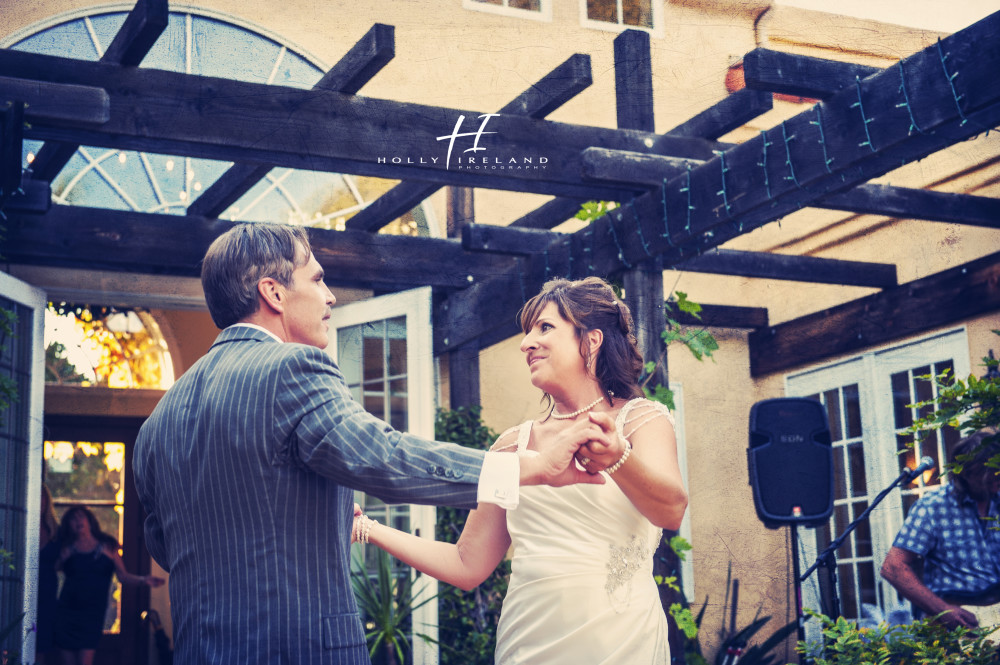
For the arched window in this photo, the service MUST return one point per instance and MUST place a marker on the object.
(205, 43)
(105, 347)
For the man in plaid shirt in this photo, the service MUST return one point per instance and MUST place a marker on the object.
(953, 532)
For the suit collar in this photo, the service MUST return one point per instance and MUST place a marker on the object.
(241, 332)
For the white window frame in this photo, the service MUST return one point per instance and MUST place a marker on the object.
(33, 298)
(655, 31)
(687, 565)
(543, 14)
(415, 305)
(872, 372)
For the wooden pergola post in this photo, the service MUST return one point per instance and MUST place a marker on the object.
(643, 282)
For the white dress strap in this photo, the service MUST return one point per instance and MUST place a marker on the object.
(519, 444)
(638, 412)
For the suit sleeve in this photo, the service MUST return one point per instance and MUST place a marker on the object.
(320, 426)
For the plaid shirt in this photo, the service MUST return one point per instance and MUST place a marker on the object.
(961, 551)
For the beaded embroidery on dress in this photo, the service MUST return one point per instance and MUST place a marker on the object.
(581, 587)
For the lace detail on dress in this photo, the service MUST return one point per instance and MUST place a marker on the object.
(622, 563)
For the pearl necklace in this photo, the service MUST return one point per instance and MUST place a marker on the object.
(559, 416)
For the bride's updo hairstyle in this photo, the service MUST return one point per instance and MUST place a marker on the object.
(591, 304)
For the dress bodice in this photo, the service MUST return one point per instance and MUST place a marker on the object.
(581, 586)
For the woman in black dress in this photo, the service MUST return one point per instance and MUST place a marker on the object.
(88, 558)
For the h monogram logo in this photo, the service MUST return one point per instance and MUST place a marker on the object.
(456, 134)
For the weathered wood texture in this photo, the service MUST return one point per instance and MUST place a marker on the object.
(53, 101)
(765, 265)
(80, 237)
(732, 112)
(171, 113)
(358, 66)
(858, 133)
(142, 27)
(799, 75)
(552, 91)
(938, 300)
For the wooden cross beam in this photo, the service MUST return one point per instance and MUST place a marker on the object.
(935, 98)
(212, 118)
(763, 265)
(800, 75)
(619, 165)
(925, 304)
(358, 66)
(552, 91)
(143, 26)
(81, 237)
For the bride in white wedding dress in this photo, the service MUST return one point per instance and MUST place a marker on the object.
(581, 590)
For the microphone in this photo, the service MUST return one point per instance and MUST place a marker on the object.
(925, 464)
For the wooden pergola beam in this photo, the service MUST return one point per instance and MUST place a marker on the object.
(859, 133)
(358, 66)
(731, 112)
(917, 204)
(81, 237)
(55, 101)
(550, 214)
(552, 91)
(941, 299)
(212, 118)
(812, 269)
(800, 75)
(142, 27)
(763, 265)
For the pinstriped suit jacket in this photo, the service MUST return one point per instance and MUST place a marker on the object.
(246, 469)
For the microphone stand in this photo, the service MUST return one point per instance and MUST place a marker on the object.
(828, 559)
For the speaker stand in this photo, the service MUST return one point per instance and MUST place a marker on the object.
(827, 558)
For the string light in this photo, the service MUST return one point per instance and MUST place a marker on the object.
(860, 106)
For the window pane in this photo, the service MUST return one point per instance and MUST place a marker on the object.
(374, 358)
(832, 399)
(923, 390)
(852, 410)
(856, 461)
(900, 399)
(530, 5)
(866, 579)
(602, 10)
(638, 13)
(839, 476)
(862, 532)
(840, 522)
(349, 347)
(908, 456)
(848, 593)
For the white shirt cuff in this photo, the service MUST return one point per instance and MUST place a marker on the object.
(499, 480)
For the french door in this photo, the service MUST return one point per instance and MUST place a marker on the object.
(869, 401)
(383, 346)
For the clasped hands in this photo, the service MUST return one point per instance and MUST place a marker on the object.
(593, 443)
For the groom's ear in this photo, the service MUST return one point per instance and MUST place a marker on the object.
(272, 294)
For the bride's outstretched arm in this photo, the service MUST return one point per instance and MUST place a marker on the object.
(465, 564)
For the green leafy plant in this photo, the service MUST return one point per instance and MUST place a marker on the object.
(467, 620)
(968, 405)
(387, 603)
(923, 642)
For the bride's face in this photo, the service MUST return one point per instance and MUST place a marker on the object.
(552, 350)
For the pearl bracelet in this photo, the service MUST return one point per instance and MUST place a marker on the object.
(621, 460)
(363, 528)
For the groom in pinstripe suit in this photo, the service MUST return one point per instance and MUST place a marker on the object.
(247, 467)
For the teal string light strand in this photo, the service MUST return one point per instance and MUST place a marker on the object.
(906, 101)
(569, 252)
(722, 192)
(763, 164)
(590, 251)
(638, 227)
(666, 226)
(788, 155)
(951, 83)
(827, 160)
(621, 252)
(865, 120)
(687, 188)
